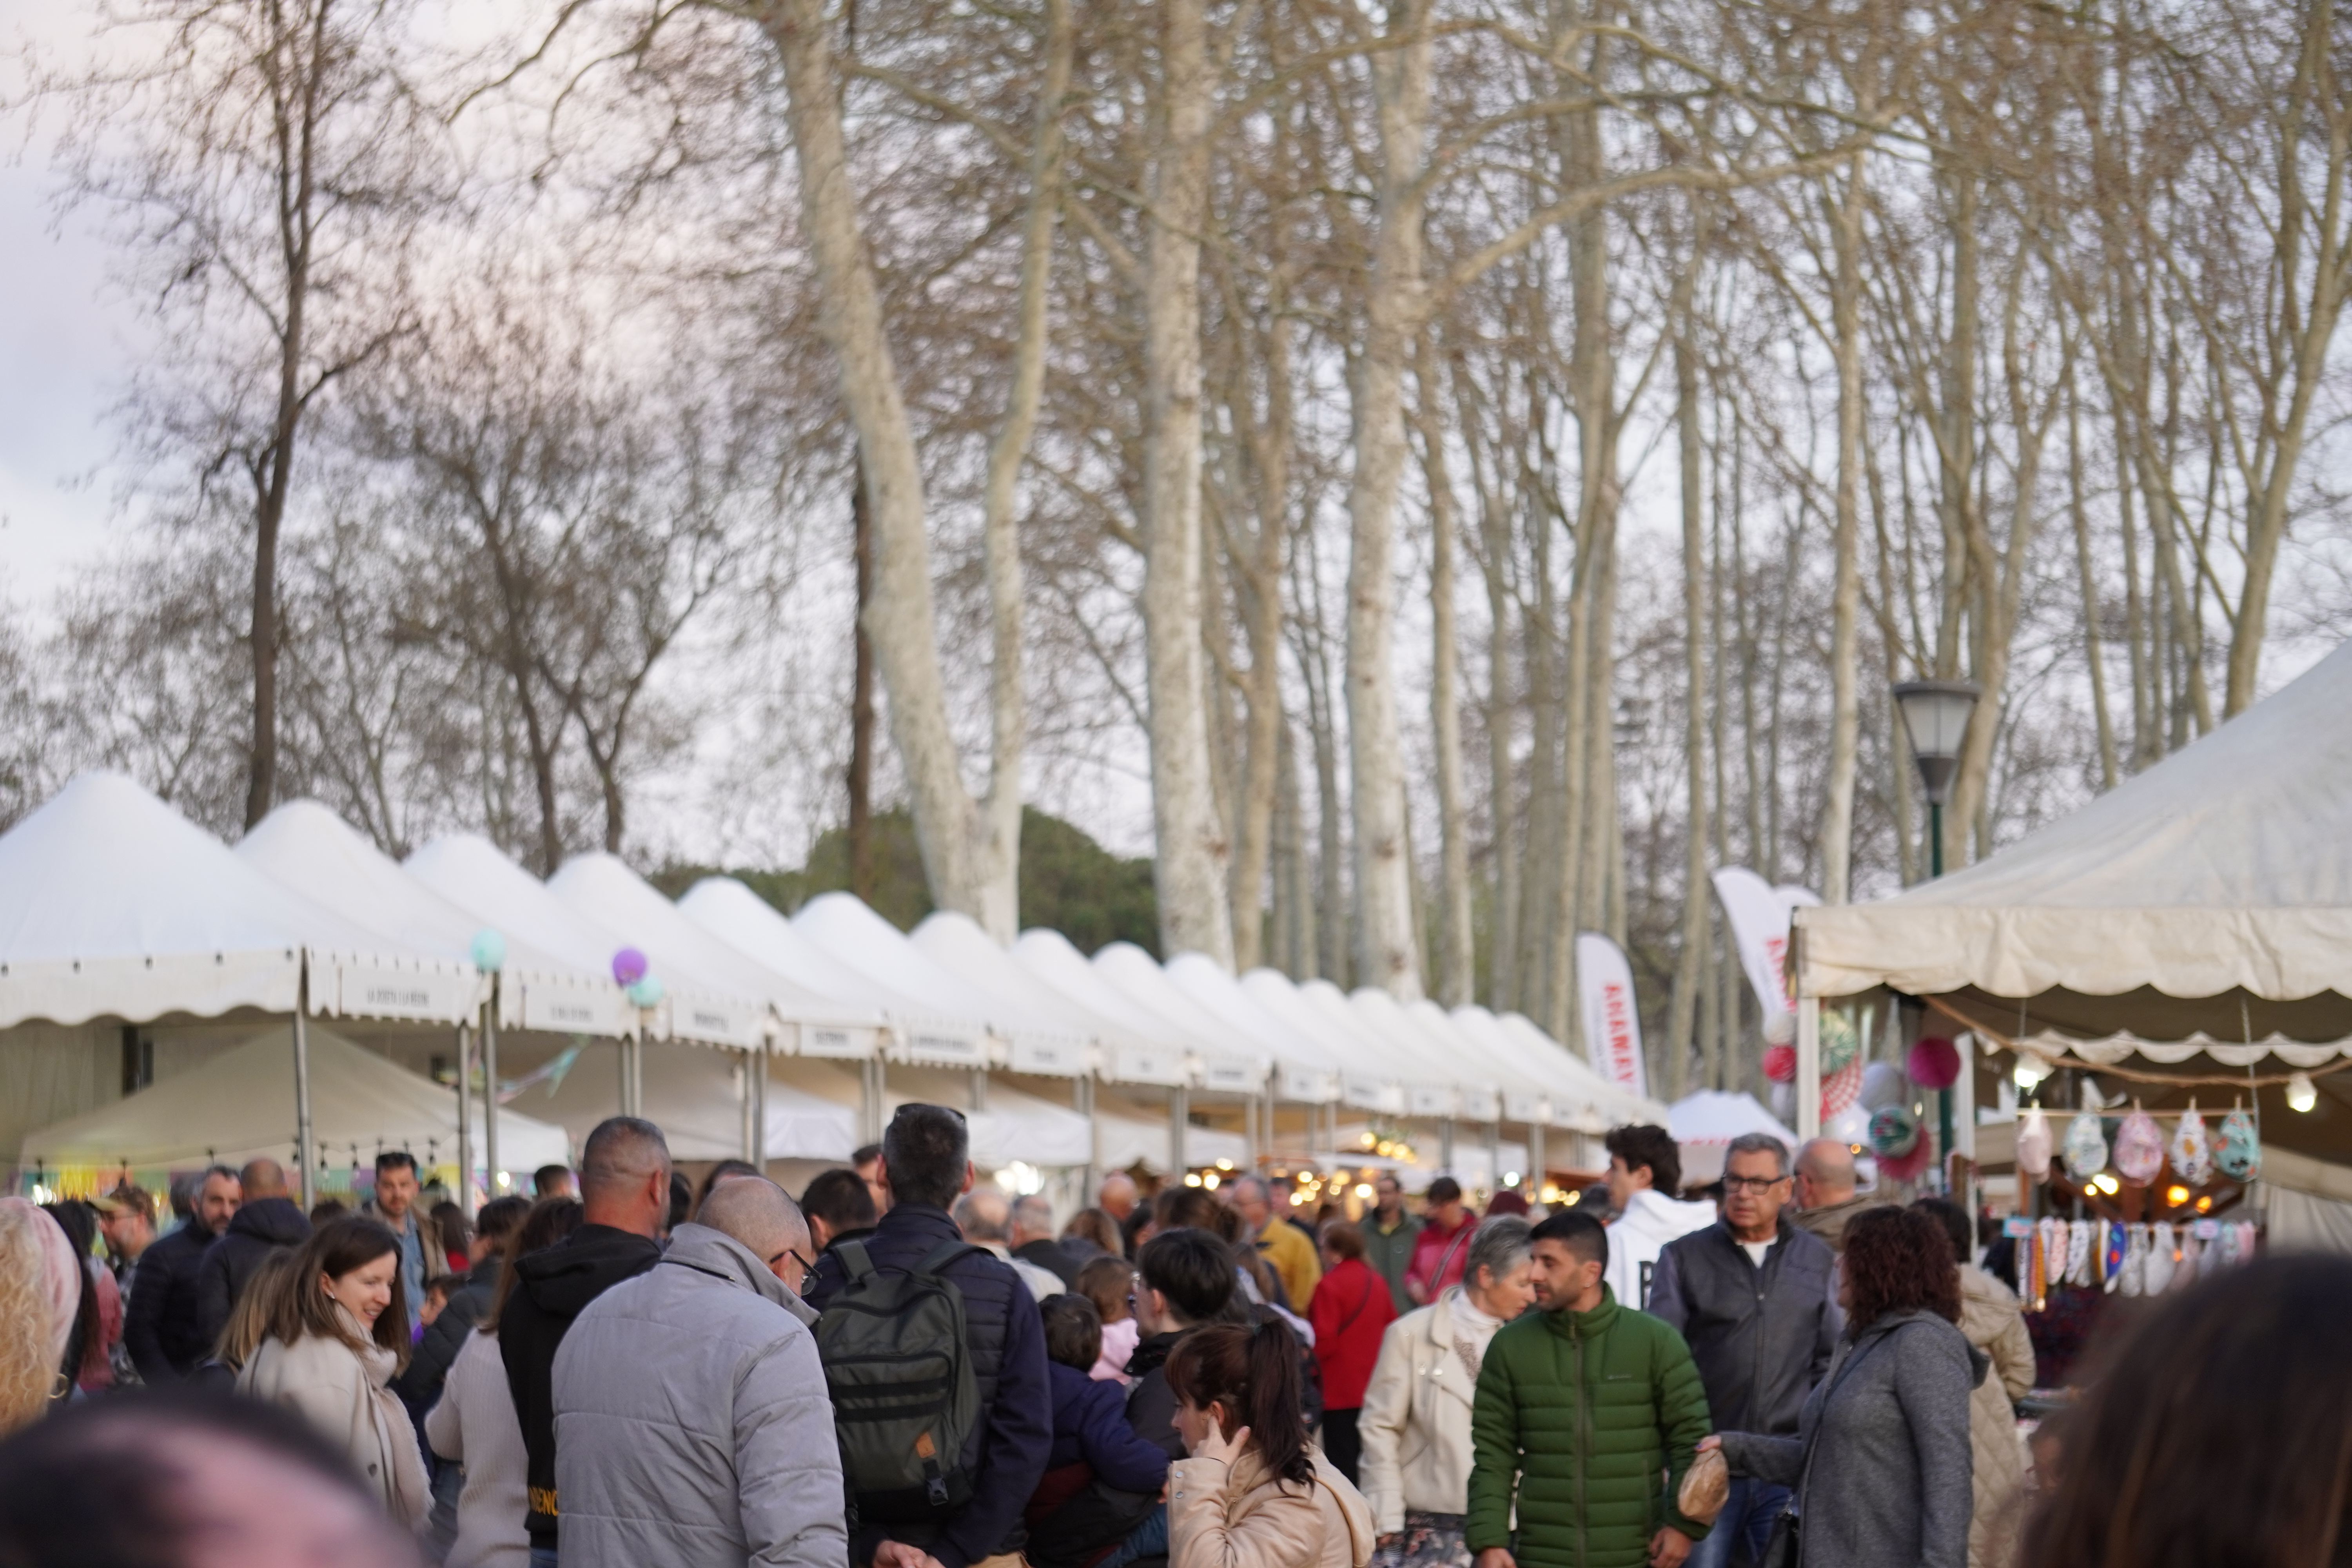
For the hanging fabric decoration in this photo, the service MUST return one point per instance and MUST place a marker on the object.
(1894, 1131)
(2115, 1248)
(2192, 1149)
(2081, 1245)
(2086, 1147)
(2184, 1273)
(2033, 1146)
(2139, 1149)
(2160, 1259)
(2132, 1273)
(2239, 1151)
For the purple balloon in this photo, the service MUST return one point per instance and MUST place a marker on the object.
(628, 966)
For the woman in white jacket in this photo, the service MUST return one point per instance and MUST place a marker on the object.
(338, 1334)
(1415, 1426)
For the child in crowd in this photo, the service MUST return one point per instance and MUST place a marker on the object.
(1100, 1479)
(1109, 1284)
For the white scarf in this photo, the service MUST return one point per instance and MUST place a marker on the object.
(1473, 1330)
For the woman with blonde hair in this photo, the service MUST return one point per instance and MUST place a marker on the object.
(338, 1332)
(41, 1294)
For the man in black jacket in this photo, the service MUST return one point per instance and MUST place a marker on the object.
(839, 1206)
(926, 1164)
(624, 1174)
(267, 1221)
(1188, 1281)
(164, 1327)
(1754, 1296)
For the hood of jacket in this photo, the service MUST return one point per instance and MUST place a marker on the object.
(720, 1255)
(280, 1222)
(565, 1277)
(1662, 1219)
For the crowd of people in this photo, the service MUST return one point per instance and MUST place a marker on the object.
(908, 1368)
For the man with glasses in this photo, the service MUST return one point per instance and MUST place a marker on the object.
(1754, 1295)
(691, 1418)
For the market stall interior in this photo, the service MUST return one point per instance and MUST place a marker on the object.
(161, 998)
(2182, 943)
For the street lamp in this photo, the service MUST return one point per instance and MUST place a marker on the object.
(1936, 716)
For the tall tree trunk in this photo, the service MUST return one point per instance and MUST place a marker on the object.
(1388, 949)
(861, 700)
(2108, 770)
(1259, 574)
(1845, 720)
(1690, 970)
(1456, 958)
(1189, 870)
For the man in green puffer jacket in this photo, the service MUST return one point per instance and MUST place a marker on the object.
(1587, 1415)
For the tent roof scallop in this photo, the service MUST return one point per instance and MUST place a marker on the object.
(240, 1105)
(756, 928)
(112, 904)
(941, 1021)
(1305, 1070)
(1151, 1050)
(957, 944)
(1227, 1061)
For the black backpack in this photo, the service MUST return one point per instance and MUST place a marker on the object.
(905, 1400)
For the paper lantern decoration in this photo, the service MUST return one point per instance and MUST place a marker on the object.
(1894, 1131)
(2239, 1151)
(2086, 1147)
(1935, 1063)
(2033, 1146)
(1780, 1063)
(490, 951)
(646, 992)
(2192, 1149)
(1840, 1045)
(1906, 1167)
(628, 966)
(2139, 1149)
(1882, 1084)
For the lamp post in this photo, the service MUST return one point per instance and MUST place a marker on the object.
(1935, 718)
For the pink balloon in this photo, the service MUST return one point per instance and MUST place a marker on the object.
(1935, 1063)
(628, 966)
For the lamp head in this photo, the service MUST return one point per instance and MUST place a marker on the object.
(1935, 718)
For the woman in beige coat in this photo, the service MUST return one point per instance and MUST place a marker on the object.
(1254, 1493)
(1415, 1425)
(1993, 1320)
(338, 1333)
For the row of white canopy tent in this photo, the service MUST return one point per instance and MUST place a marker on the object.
(113, 906)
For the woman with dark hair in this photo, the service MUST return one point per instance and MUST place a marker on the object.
(2214, 1435)
(1880, 1464)
(338, 1333)
(474, 1423)
(1350, 1312)
(98, 1314)
(1254, 1493)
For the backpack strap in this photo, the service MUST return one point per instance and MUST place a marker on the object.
(856, 1260)
(942, 1254)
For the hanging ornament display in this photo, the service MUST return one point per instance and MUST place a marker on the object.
(2162, 1256)
(1780, 1063)
(1907, 1167)
(2192, 1149)
(1882, 1084)
(2239, 1150)
(1894, 1131)
(2033, 1146)
(2086, 1147)
(1935, 1063)
(2139, 1149)
(2082, 1250)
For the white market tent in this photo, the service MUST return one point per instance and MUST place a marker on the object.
(1705, 1123)
(1305, 1070)
(239, 1106)
(2193, 924)
(319, 855)
(957, 944)
(1428, 1091)
(1226, 1062)
(1477, 1083)
(1367, 1079)
(1617, 1108)
(1151, 1050)
(1529, 1095)
(696, 1094)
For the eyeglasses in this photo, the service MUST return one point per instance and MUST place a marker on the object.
(793, 1253)
(1757, 1184)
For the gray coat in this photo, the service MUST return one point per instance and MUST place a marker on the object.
(1890, 1477)
(692, 1427)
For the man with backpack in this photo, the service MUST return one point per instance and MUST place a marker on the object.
(935, 1358)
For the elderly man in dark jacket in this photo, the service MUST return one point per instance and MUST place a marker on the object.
(1753, 1295)
(269, 1221)
(163, 1329)
(926, 1165)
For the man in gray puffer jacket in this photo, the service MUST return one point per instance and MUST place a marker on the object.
(692, 1425)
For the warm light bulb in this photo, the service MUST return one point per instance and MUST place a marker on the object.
(1296, 1199)
(1224, 1165)
(2205, 1203)
(2176, 1196)
(1370, 1139)
(2302, 1094)
(1510, 1178)
(1363, 1189)
(1192, 1178)
(2106, 1184)
(1209, 1181)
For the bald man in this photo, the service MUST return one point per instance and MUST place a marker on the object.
(269, 1221)
(985, 1216)
(712, 1444)
(1827, 1199)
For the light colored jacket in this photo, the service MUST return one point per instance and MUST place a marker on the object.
(1415, 1424)
(1240, 1516)
(692, 1427)
(474, 1424)
(1992, 1320)
(1651, 1220)
(341, 1393)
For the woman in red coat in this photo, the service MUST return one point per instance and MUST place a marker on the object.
(1350, 1310)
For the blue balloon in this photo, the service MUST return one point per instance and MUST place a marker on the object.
(646, 991)
(490, 951)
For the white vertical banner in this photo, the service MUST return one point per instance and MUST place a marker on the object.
(1612, 1025)
(1760, 915)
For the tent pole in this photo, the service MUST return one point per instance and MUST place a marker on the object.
(1446, 1146)
(1180, 1110)
(464, 1120)
(1495, 1155)
(1809, 1066)
(1083, 1093)
(490, 1091)
(305, 1149)
(1537, 1178)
